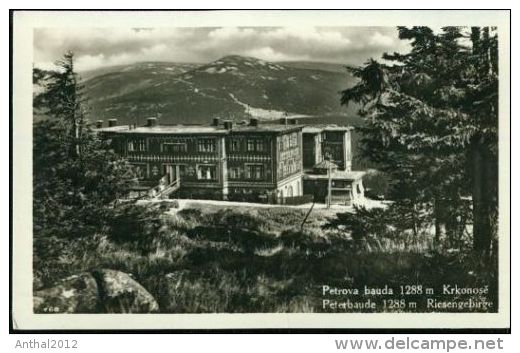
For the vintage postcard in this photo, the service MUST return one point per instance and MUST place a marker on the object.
(261, 170)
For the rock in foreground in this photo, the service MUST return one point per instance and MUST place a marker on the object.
(122, 294)
(101, 291)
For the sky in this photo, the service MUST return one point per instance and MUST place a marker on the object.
(100, 47)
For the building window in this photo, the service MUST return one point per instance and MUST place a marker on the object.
(175, 147)
(136, 145)
(255, 171)
(259, 172)
(259, 145)
(235, 145)
(206, 145)
(250, 145)
(182, 170)
(206, 172)
(234, 173)
(174, 171)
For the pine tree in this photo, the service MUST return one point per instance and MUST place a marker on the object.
(483, 153)
(65, 101)
(77, 177)
(421, 119)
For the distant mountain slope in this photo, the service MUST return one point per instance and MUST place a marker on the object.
(232, 87)
(149, 67)
(313, 65)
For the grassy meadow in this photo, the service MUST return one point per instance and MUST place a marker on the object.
(209, 258)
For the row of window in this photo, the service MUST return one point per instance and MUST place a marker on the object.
(203, 171)
(209, 145)
(252, 171)
(252, 145)
(203, 145)
(137, 145)
(206, 145)
(207, 171)
(175, 147)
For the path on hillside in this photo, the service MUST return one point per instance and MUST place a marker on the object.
(186, 203)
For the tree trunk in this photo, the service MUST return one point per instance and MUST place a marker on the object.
(438, 215)
(415, 222)
(484, 160)
(482, 204)
(452, 230)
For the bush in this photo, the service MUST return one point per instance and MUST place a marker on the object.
(377, 184)
(137, 225)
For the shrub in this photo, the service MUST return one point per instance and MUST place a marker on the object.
(137, 225)
(377, 184)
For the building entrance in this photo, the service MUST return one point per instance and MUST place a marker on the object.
(171, 171)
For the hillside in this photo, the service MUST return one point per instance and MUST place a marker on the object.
(160, 67)
(314, 65)
(196, 257)
(232, 87)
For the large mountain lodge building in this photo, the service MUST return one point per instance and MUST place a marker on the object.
(270, 163)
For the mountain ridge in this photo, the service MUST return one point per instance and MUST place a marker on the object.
(231, 87)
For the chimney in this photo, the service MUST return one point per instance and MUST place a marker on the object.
(216, 121)
(99, 124)
(151, 122)
(253, 122)
(228, 124)
(283, 121)
(294, 121)
(112, 122)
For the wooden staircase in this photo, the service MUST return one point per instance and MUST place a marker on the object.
(161, 192)
(158, 192)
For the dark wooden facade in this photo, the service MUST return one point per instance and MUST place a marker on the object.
(249, 162)
(245, 162)
(261, 163)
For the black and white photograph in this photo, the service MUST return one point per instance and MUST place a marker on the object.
(312, 168)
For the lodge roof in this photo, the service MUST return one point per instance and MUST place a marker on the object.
(222, 129)
(266, 128)
(166, 129)
(200, 129)
(318, 128)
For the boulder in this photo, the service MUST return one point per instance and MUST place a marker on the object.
(100, 291)
(121, 294)
(74, 294)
